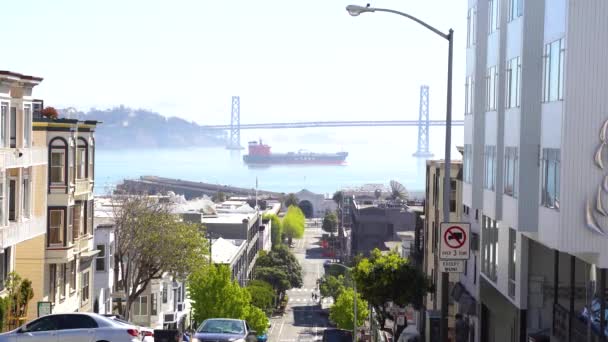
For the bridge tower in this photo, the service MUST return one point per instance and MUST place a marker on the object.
(235, 125)
(423, 124)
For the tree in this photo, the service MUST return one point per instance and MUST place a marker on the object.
(150, 241)
(330, 222)
(214, 294)
(342, 312)
(19, 294)
(262, 295)
(281, 258)
(293, 223)
(338, 197)
(291, 200)
(275, 229)
(219, 197)
(331, 286)
(276, 278)
(381, 278)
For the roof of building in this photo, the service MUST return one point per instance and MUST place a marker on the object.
(223, 251)
(229, 218)
(20, 76)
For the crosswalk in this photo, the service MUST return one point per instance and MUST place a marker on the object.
(303, 290)
(310, 300)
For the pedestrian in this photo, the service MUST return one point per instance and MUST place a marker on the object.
(462, 329)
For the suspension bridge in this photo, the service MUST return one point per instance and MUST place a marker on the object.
(423, 123)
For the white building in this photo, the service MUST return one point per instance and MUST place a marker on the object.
(535, 164)
(103, 285)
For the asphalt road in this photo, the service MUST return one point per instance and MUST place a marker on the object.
(303, 319)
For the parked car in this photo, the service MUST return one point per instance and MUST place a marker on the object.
(337, 335)
(225, 329)
(146, 334)
(73, 327)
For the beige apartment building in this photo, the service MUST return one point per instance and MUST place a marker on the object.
(433, 209)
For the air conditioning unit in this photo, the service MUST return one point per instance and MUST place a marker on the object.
(168, 318)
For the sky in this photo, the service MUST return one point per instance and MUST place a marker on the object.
(287, 60)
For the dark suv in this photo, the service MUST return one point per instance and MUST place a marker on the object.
(224, 330)
(337, 335)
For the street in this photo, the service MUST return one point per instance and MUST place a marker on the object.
(303, 319)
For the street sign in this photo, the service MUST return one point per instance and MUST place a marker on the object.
(454, 244)
(451, 266)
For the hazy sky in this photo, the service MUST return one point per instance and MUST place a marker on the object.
(288, 60)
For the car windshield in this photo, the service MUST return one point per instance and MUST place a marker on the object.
(223, 326)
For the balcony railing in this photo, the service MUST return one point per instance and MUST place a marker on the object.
(83, 186)
(23, 157)
(17, 232)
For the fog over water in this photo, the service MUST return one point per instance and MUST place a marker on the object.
(376, 155)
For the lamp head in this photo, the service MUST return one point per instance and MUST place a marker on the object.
(355, 10)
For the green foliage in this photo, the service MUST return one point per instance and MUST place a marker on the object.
(281, 258)
(4, 305)
(218, 197)
(257, 319)
(389, 277)
(330, 222)
(338, 197)
(262, 295)
(342, 312)
(214, 294)
(277, 278)
(293, 223)
(331, 286)
(276, 231)
(291, 200)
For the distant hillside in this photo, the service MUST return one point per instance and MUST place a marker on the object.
(124, 127)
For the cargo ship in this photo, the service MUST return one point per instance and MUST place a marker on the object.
(259, 154)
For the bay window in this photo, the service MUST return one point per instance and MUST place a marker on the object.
(56, 223)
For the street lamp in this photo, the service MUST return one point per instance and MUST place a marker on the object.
(354, 298)
(354, 11)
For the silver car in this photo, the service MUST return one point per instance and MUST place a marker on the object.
(73, 327)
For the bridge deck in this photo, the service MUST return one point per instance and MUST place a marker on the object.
(386, 123)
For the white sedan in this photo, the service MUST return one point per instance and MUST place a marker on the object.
(73, 327)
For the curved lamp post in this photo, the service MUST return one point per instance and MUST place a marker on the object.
(354, 298)
(354, 11)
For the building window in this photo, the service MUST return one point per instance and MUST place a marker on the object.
(13, 127)
(52, 281)
(467, 161)
(491, 88)
(73, 275)
(516, 9)
(489, 244)
(27, 125)
(553, 71)
(25, 196)
(62, 281)
(494, 18)
(511, 169)
(140, 306)
(100, 261)
(165, 294)
(58, 161)
(512, 261)
(490, 167)
(89, 211)
(550, 178)
(468, 95)
(153, 304)
(78, 227)
(56, 227)
(453, 192)
(2, 211)
(12, 199)
(85, 287)
(513, 82)
(471, 20)
(3, 121)
(82, 159)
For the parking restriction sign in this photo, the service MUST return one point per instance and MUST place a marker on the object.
(454, 241)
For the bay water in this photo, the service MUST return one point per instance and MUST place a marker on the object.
(376, 155)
